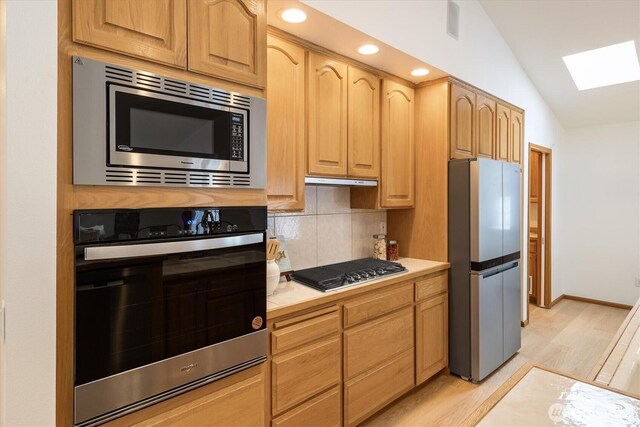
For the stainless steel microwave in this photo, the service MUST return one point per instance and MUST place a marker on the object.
(133, 127)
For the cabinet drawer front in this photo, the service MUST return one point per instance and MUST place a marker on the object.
(306, 331)
(432, 285)
(237, 405)
(303, 373)
(322, 411)
(366, 394)
(371, 344)
(373, 306)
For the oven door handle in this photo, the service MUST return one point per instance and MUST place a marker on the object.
(151, 249)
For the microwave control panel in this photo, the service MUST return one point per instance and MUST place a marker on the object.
(237, 136)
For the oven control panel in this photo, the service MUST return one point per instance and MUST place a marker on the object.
(122, 225)
(237, 136)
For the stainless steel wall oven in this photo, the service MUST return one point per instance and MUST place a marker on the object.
(165, 300)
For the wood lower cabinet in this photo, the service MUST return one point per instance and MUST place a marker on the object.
(285, 125)
(306, 368)
(155, 30)
(397, 184)
(432, 348)
(227, 39)
(339, 365)
(233, 401)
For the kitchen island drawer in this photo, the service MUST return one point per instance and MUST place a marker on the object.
(301, 374)
(362, 309)
(432, 284)
(368, 393)
(369, 345)
(322, 411)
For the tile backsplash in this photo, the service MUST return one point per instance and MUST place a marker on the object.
(328, 230)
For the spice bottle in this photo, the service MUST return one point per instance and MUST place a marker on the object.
(380, 246)
(393, 251)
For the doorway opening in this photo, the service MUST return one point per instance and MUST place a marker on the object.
(539, 227)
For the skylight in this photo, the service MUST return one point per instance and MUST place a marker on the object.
(606, 66)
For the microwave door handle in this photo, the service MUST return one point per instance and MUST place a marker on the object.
(94, 253)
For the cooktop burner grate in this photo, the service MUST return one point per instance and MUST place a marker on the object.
(334, 276)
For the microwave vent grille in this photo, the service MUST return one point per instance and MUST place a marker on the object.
(177, 87)
(173, 178)
(119, 74)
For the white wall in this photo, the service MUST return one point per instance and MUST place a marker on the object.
(28, 218)
(599, 198)
(480, 56)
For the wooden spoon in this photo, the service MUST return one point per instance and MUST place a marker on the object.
(272, 249)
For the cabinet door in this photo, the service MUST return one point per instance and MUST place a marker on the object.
(486, 131)
(462, 126)
(327, 106)
(155, 30)
(285, 125)
(517, 135)
(398, 150)
(503, 129)
(363, 159)
(432, 347)
(227, 39)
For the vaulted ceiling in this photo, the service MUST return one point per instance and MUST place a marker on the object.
(541, 32)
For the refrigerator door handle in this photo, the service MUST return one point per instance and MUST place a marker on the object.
(496, 270)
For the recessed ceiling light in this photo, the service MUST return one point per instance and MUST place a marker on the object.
(368, 49)
(293, 16)
(606, 66)
(419, 72)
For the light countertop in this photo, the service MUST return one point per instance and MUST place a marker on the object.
(540, 397)
(292, 296)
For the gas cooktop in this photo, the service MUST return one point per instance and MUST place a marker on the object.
(335, 276)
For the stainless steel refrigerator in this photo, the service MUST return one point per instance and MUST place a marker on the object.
(484, 251)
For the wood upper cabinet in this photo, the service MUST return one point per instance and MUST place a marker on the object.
(486, 130)
(503, 136)
(516, 137)
(285, 125)
(462, 124)
(327, 109)
(432, 349)
(227, 39)
(363, 136)
(155, 30)
(398, 146)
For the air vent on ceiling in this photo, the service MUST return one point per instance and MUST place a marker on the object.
(453, 19)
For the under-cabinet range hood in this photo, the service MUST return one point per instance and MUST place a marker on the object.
(341, 182)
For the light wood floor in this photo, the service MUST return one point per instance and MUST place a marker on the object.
(569, 338)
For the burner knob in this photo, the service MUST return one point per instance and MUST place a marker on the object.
(372, 272)
(364, 274)
(356, 276)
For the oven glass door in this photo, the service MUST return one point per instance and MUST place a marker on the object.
(148, 129)
(132, 312)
